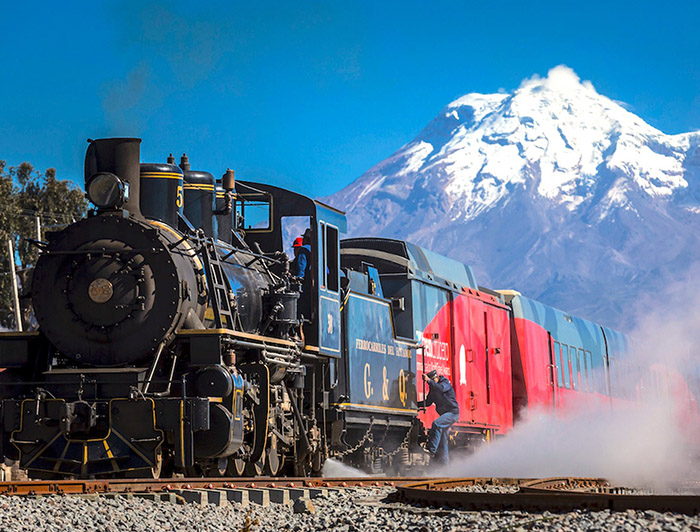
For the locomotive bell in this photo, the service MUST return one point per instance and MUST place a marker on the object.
(112, 173)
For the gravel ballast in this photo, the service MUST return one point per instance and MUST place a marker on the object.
(351, 510)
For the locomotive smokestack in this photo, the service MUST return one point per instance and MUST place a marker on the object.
(106, 158)
(171, 159)
(185, 163)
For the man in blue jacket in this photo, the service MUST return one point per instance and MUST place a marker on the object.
(301, 267)
(442, 395)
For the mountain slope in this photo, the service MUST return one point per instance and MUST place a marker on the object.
(553, 189)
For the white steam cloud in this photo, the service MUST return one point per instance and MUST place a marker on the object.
(335, 468)
(631, 446)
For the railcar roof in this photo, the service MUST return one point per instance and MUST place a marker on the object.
(570, 329)
(409, 258)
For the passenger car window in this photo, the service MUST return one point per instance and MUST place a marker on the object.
(574, 368)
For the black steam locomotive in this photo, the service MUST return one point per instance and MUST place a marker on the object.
(173, 336)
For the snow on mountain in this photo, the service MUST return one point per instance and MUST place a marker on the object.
(552, 189)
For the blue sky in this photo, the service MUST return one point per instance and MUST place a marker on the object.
(309, 95)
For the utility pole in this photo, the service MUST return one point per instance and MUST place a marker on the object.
(15, 290)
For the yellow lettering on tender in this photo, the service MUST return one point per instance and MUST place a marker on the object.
(385, 385)
(402, 388)
(368, 384)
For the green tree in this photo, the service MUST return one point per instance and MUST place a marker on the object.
(25, 194)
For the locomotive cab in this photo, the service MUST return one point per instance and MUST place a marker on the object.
(270, 219)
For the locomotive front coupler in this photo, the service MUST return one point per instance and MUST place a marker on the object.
(78, 418)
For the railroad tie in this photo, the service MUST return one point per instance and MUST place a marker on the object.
(194, 496)
(258, 496)
(215, 497)
(238, 496)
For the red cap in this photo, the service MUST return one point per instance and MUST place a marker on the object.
(298, 242)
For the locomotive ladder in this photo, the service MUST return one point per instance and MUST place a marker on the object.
(218, 285)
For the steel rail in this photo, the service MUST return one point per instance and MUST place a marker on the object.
(563, 494)
(61, 487)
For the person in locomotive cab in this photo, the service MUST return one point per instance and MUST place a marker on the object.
(442, 395)
(301, 267)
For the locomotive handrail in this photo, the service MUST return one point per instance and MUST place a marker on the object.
(232, 249)
(199, 241)
(103, 251)
(153, 367)
(41, 244)
(282, 363)
(310, 356)
(251, 345)
(240, 334)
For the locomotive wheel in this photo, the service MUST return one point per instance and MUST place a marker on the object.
(236, 467)
(219, 467)
(274, 459)
(255, 469)
(157, 469)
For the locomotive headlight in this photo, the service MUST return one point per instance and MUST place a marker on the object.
(106, 190)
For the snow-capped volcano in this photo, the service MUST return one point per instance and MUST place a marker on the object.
(552, 189)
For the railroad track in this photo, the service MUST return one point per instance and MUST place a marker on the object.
(259, 490)
(560, 494)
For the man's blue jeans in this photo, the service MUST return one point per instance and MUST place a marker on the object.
(438, 436)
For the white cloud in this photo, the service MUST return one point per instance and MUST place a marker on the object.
(559, 78)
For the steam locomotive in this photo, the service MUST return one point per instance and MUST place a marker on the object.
(175, 337)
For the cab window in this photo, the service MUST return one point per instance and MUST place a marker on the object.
(329, 240)
(252, 211)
